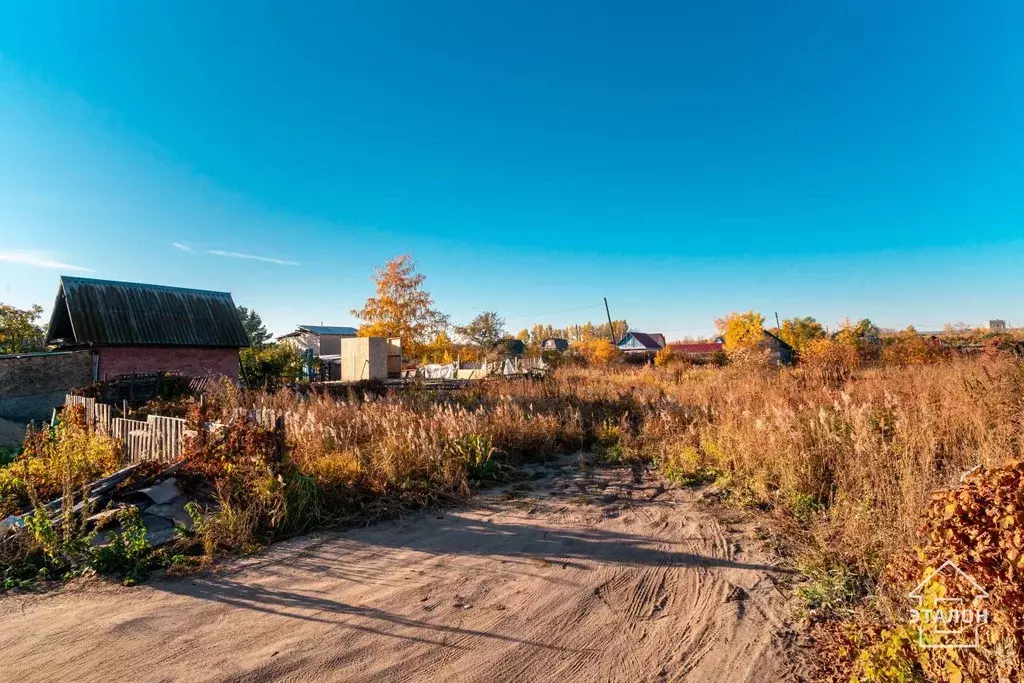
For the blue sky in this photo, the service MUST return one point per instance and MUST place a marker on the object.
(849, 158)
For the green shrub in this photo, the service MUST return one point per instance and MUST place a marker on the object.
(271, 366)
(127, 555)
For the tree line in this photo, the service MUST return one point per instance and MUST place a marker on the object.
(402, 307)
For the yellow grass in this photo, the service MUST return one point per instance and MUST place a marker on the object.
(854, 464)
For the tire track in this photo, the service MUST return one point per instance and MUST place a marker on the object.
(636, 584)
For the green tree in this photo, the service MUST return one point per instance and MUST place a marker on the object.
(798, 332)
(484, 331)
(18, 330)
(254, 327)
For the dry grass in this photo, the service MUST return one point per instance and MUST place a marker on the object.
(847, 465)
(373, 457)
(853, 466)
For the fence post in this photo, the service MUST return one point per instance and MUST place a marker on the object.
(279, 437)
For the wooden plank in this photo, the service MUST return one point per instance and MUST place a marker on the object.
(135, 439)
(167, 437)
(90, 413)
(139, 445)
(104, 414)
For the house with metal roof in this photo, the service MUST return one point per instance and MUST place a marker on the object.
(636, 344)
(134, 328)
(697, 350)
(323, 340)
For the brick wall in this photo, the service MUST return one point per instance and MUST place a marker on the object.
(31, 386)
(123, 360)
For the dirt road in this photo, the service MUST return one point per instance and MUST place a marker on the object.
(594, 575)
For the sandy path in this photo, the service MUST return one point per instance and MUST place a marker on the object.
(602, 575)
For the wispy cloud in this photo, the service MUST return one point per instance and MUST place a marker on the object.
(39, 259)
(183, 247)
(252, 257)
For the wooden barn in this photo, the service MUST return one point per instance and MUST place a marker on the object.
(133, 328)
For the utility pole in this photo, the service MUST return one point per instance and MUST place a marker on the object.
(611, 328)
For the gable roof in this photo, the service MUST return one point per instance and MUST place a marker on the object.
(103, 312)
(648, 341)
(557, 343)
(329, 329)
(778, 339)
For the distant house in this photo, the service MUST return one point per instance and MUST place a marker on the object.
(697, 350)
(138, 328)
(639, 344)
(511, 347)
(554, 344)
(997, 325)
(324, 340)
(780, 352)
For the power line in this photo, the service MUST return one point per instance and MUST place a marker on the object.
(567, 310)
(687, 329)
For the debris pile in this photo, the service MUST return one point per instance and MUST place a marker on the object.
(158, 497)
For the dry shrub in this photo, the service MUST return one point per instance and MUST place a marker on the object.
(370, 457)
(833, 360)
(599, 352)
(244, 461)
(910, 348)
(979, 526)
(665, 356)
(752, 359)
(68, 455)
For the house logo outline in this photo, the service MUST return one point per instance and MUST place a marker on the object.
(955, 603)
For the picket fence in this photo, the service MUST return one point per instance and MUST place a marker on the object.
(157, 438)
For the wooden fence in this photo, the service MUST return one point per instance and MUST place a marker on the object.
(157, 438)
